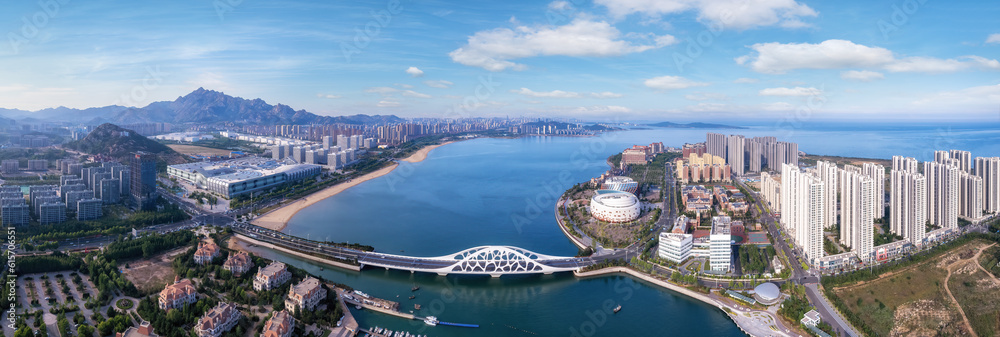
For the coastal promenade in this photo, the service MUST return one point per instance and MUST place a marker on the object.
(752, 322)
(297, 253)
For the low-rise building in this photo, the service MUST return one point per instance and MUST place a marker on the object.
(270, 277)
(238, 263)
(811, 318)
(218, 320)
(282, 324)
(836, 263)
(306, 295)
(143, 330)
(235, 177)
(177, 295)
(675, 247)
(206, 252)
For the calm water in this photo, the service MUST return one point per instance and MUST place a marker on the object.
(501, 192)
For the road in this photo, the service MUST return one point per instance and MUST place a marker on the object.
(808, 278)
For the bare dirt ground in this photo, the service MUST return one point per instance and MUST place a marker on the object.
(198, 150)
(153, 273)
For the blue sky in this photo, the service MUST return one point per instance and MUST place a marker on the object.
(677, 60)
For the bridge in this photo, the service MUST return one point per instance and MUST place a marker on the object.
(484, 260)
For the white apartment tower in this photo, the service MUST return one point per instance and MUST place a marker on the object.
(856, 220)
(964, 159)
(877, 173)
(827, 172)
(971, 196)
(908, 164)
(942, 193)
(734, 154)
(908, 204)
(988, 169)
(802, 206)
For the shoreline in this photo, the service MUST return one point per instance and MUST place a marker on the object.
(278, 219)
(421, 154)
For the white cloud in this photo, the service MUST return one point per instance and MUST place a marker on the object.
(442, 84)
(993, 38)
(387, 103)
(602, 109)
(796, 91)
(381, 90)
(328, 96)
(546, 94)
(778, 58)
(777, 106)
(745, 80)
(987, 96)
(560, 5)
(861, 75)
(411, 93)
(413, 71)
(404, 86)
(705, 96)
(606, 94)
(736, 14)
(671, 82)
(494, 49)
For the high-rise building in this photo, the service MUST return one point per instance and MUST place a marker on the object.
(327, 142)
(900, 163)
(802, 206)
(770, 189)
(278, 152)
(964, 159)
(14, 212)
(720, 244)
(877, 173)
(828, 173)
(942, 156)
(970, 192)
(88, 209)
(10, 166)
(908, 204)
(143, 184)
(988, 168)
(110, 191)
(715, 144)
(72, 197)
(942, 193)
(51, 212)
(735, 154)
(856, 220)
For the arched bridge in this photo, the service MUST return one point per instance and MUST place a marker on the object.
(483, 260)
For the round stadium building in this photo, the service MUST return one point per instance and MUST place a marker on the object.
(614, 206)
(767, 293)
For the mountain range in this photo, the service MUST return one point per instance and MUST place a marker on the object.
(200, 106)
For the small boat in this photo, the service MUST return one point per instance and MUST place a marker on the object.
(416, 306)
(431, 320)
(412, 297)
(618, 308)
(357, 307)
(415, 288)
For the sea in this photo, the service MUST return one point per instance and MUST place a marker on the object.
(501, 191)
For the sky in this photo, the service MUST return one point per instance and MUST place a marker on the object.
(654, 60)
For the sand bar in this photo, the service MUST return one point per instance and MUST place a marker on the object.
(278, 218)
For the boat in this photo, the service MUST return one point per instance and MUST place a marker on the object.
(431, 320)
(618, 308)
(416, 306)
(415, 288)
(412, 297)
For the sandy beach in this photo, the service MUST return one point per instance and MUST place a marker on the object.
(278, 219)
(421, 154)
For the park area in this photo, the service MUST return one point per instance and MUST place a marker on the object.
(924, 299)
